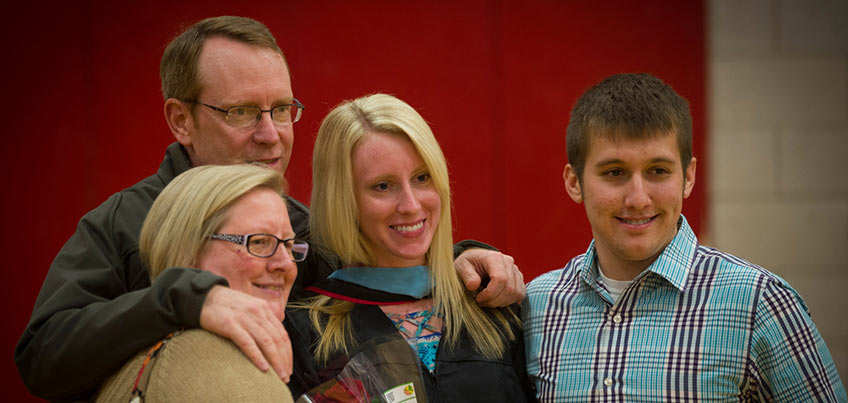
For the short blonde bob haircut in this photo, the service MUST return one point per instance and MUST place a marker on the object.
(192, 207)
(334, 223)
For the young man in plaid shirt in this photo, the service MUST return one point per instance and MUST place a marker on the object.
(648, 314)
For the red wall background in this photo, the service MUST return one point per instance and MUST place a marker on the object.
(495, 79)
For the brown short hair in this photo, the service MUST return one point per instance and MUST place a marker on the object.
(633, 106)
(178, 69)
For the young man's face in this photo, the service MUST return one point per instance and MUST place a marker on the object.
(633, 191)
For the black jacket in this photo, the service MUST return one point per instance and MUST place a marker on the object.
(461, 373)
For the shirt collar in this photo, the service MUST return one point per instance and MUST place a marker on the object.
(673, 263)
(676, 259)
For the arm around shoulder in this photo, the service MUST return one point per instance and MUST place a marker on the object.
(494, 276)
(96, 307)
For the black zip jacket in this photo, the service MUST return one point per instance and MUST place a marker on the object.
(461, 373)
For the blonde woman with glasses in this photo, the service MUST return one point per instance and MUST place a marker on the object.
(231, 221)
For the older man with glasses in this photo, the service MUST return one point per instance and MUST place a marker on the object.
(97, 306)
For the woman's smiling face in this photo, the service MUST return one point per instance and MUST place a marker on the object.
(398, 205)
(259, 211)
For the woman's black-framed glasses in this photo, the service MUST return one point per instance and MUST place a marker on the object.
(265, 245)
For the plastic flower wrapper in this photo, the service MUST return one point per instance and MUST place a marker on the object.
(384, 369)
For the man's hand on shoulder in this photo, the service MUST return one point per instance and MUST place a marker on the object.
(251, 324)
(505, 281)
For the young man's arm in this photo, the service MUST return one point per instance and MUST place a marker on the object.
(789, 352)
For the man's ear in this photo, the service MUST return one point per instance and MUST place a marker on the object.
(689, 178)
(180, 120)
(572, 185)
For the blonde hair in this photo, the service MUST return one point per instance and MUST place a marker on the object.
(192, 207)
(334, 223)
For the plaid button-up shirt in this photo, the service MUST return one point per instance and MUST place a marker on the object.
(697, 325)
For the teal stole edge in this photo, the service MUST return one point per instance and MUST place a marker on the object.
(411, 281)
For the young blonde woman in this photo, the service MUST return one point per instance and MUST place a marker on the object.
(381, 203)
